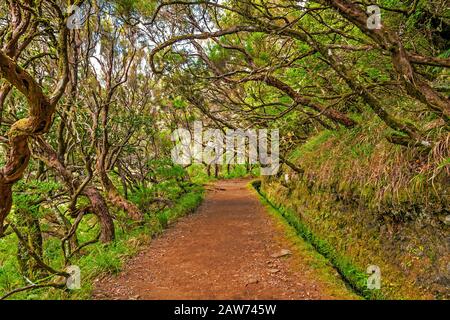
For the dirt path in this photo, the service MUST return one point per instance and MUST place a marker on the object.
(224, 251)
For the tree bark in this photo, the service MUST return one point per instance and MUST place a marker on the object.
(38, 122)
(100, 208)
(40, 114)
(116, 198)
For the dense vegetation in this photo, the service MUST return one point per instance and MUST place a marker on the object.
(86, 116)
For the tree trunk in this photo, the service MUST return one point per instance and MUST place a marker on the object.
(115, 197)
(216, 171)
(33, 236)
(38, 122)
(5, 203)
(100, 209)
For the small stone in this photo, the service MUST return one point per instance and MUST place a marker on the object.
(282, 253)
(252, 281)
(274, 270)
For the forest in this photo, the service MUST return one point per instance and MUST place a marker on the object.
(354, 94)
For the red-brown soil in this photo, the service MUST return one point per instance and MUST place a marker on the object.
(223, 251)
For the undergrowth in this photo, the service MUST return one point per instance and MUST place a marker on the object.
(96, 259)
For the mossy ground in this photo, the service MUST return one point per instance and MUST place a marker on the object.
(321, 267)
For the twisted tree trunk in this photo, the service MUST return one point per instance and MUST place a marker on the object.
(98, 204)
(37, 123)
(100, 209)
(41, 107)
(114, 195)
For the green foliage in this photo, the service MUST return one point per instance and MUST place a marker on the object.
(140, 6)
(179, 103)
(163, 219)
(29, 194)
(240, 171)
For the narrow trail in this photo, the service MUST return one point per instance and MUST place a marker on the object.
(226, 250)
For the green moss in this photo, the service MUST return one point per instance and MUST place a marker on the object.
(324, 270)
(355, 277)
(355, 232)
